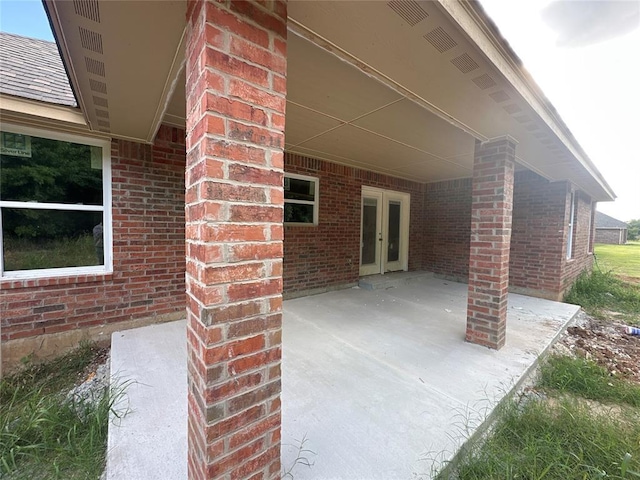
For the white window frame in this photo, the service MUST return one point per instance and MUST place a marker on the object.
(571, 226)
(105, 208)
(315, 201)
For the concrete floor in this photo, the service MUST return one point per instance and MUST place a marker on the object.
(378, 382)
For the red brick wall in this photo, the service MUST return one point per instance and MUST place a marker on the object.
(536, 248)
(541, 210)
(328, 255)
(581, 259)
(447, 228)
(148, 252)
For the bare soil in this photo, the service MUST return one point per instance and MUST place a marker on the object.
(606, 343)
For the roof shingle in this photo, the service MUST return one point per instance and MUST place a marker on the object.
(32, 68)
(605, 221)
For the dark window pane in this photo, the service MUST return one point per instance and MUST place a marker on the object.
(393, 252)
(298, 213)
(297, 189)
(34, 169)
(369, 233)
(34, 239)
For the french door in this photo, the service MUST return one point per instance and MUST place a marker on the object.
(384, 239)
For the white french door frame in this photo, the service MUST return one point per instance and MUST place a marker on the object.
(384, 198)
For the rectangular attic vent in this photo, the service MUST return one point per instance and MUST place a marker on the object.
(94, 66)
(409, 10)
(484, 81)
(87, 9)
(440, 40)
(98, 87)
(90, 40)
(500, 96)
(512, 108)
(100, 102)
(465, 63)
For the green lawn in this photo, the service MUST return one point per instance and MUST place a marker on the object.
(620, 259)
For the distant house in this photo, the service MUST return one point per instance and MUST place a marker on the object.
(610, 230)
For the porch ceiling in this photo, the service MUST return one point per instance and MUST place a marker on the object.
(397, 87)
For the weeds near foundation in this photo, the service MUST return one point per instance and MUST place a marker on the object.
(587, 379)
(44, 434)
(302, 458)
(538, 439)
(601, 293)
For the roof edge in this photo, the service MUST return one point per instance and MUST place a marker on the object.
(476, 23)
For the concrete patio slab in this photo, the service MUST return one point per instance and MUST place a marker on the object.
(377, 382)
(150, 440)
(380, 382)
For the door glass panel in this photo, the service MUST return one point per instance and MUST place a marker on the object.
(369, 236)
(393, 235)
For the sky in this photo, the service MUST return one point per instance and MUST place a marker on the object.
(595, 87)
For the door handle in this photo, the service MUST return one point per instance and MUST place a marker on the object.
(380, 237)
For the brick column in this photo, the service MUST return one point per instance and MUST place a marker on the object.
(236, 87)
(492, 203)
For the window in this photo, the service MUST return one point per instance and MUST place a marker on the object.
(300, 199)
(571, 226)
(592, 230)
(55, 204)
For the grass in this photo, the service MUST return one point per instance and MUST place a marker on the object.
(620, 259)
(601, 293)
(588, 380)
(45, 436)
(29, 255)
(554, 440)
(586, 425)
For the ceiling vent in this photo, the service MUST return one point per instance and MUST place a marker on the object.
(440, 40)
(512, 108)
(464, 63)
(87, 9)
(100, 102)
(94, 66)
(90, 40)
(500, 96)
(104, 125)
(102, 113)
(531, 127)
(484, 81)
(523, 118)
(409, 10)
(98, 87)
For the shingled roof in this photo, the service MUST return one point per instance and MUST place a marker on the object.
(32, 68)
(605, 221)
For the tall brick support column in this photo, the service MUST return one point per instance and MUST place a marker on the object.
(492, 204)
(236, 87)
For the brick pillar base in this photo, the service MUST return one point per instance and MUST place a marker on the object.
(236, 84)
(492, 203)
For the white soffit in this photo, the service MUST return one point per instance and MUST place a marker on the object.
(123, 59)
(416, 49)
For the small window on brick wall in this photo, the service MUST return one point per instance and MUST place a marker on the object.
(571, 229)
(300, 199)
(55, 204)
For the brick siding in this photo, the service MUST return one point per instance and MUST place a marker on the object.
(612, 236)
(581, 259)
(447, 221)
(148, 252)
(327, 255)
(236, 69)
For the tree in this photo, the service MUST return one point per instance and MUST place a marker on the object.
(634, 229)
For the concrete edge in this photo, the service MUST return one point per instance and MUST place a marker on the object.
(527, 377)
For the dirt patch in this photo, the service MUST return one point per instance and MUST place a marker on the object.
(606, 343)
